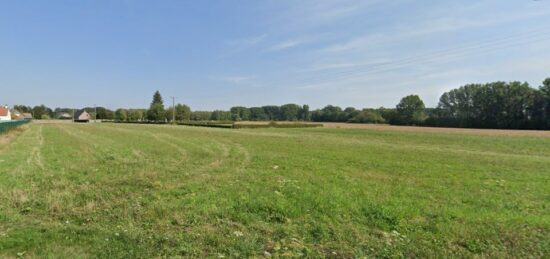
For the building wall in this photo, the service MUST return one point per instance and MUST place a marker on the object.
(6, 118)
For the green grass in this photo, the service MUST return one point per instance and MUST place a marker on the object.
(124, 190)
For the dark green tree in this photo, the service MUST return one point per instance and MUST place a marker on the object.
(23, 108)
(121, 115)
(183, 112)
(272, 112)
(156, 111)
(258, 114)
(240, 113)
(304, 114)
(42, 112)
(290, 112)
(411, 110)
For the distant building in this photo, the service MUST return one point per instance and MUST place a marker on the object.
(16, 115)
(82, 116)
(27, 116)
(5, 113)
(64, 116)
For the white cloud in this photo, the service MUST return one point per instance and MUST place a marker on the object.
(238, 79)
(286, 45)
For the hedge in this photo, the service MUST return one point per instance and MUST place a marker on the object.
(6, 126)
(277, 125)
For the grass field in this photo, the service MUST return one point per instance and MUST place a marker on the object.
(122, 191)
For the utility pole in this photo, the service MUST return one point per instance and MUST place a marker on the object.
(95, 113)
(173, 110)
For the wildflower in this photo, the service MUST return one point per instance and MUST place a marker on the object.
(238, 233)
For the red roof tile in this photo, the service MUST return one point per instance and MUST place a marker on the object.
(3, 111)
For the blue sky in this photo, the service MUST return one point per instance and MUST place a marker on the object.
(217, 54)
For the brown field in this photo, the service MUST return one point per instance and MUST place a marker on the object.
(486, 132)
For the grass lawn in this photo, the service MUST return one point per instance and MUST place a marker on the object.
(123, 191)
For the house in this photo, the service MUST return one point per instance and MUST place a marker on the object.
(27, 116)
(5, 113)
(16, 115)
(64, 116)
(82, 116)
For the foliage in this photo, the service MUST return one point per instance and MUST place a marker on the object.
(513, 105)
(23, 108)
(410, 111)
(42, 112)
(102, 113)
(258, 114)
(368, 116)
(240, 113)
(221, 116)
(290, 112)
(156, 109)
(183, 112)
(272, 112)
(201, 115)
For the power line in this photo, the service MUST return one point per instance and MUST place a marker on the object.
(487, 46)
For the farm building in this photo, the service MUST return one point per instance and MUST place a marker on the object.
(5, 113)
(16, 115)
(27, 116)
(82, 116)
(64, 116)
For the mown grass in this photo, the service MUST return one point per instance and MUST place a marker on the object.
(124, 190)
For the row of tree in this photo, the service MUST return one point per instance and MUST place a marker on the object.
(506, 105)
(502, 105)
(41, 112)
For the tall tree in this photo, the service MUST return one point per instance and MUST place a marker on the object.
(411, 110)
(272, 112)
(304, 113)
(42, 112)
(240, 113)
(289, 112)
(121, 115)
(545, 93)
(23, 108)
(183, 112)
(156, 110)
(258, 114)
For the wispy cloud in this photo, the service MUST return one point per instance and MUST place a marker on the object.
(242, 44)
(428, 27)
(239, 79)
(297, 41)
(286, 45)
(248, 41)
(313, 13)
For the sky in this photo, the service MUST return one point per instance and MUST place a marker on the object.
(223, 53)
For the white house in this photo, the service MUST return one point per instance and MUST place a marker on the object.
(5, 114)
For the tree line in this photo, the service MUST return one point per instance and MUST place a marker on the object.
(501, 105)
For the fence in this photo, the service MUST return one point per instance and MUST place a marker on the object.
(6, 126)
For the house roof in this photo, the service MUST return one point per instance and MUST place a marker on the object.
(82, 115)
(4, 111)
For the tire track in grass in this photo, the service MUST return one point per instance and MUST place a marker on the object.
(120, 150)
(35, 156)
(158, 137)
